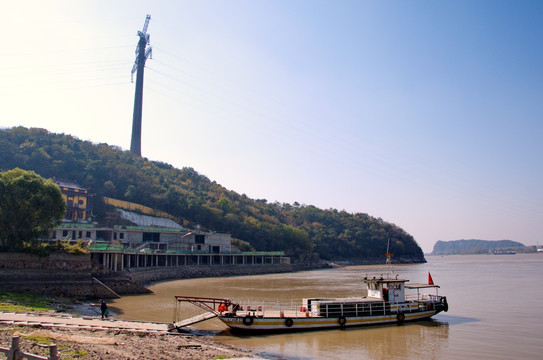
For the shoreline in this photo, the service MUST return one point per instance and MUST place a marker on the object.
(89, 338)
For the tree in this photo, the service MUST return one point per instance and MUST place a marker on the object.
(131, 192)
(30, 206)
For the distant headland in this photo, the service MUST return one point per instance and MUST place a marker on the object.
(475, 246)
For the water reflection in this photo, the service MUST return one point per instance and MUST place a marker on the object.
(413, 340)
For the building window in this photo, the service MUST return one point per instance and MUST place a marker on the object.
(151, 237)
(121, 236)
(54, 235)
(88, 234)
(114, 236)
(64, 233)
(80, 235)
(199, 239)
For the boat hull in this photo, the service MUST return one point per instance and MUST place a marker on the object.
(274, 324)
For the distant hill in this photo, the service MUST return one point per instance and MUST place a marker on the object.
(302, 231)
(473, 246)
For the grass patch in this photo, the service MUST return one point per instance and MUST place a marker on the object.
(40, 339)
(18, 302)
(80, 353)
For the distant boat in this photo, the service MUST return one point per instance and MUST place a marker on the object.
(504, 252)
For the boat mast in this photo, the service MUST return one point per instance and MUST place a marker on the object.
(389, 256)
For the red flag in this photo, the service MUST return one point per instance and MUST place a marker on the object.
(430, 280)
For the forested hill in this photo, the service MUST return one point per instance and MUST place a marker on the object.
(299, 230)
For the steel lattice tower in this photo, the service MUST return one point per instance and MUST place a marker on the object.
(142, 53)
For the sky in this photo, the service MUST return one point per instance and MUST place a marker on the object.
(426, 114)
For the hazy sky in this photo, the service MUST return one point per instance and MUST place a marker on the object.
(426, 114)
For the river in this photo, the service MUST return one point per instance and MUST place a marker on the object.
(495, 310)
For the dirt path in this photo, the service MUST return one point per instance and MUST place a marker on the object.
(93, 338)
(76, 322)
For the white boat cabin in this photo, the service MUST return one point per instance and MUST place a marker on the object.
(391, 290)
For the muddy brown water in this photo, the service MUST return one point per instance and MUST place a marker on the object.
(495, 310)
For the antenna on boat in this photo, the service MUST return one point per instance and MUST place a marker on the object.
(389, 256)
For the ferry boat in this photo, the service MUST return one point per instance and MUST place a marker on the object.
(386, 302)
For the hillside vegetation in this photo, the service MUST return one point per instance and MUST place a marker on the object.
(302, 231)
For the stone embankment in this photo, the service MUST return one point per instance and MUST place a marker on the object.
(62, 275)
(78, 277)
(58, 274)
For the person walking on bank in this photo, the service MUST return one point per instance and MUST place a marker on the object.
(103, 307)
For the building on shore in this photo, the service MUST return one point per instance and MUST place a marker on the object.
(145, 238)
(154, 241)
(130, 247)
(79, 201)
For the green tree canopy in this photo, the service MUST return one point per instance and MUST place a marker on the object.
(30, 206)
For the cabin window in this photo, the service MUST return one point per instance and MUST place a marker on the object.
(372, 286)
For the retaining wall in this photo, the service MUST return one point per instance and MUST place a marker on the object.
(72, 276)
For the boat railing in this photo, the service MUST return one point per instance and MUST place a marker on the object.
(262, 309)
(436, 298)
(421, 297)
(273, 308)
(355, 309)
(330, 310)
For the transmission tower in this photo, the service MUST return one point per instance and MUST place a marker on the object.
(142, 53)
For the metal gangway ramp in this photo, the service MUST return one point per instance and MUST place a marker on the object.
(195, 319)
(213, 306)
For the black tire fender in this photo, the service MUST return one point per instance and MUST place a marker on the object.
(248, 320)
(445, 304)
(400, 317)
(342, 321)
(289, 322)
